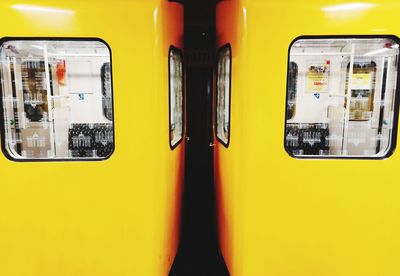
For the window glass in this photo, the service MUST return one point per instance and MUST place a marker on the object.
(57, 99)
(176, 96)
(343, 103)
(223, 94)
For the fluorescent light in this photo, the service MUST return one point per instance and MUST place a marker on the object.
(37, 47)
(32, 8)
(77, 55)
(376, 52)
(348, 6)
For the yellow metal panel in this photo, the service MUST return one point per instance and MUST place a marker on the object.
(116, 217)
(283, 216)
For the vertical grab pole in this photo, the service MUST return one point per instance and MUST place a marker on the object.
(348, 98)
(385, 76)
(49, 99)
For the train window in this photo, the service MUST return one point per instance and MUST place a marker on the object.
(224, 66)
(175, 96)
(56, 99)
(342, 95)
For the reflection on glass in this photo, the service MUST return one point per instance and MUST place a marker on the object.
(176, 96)
(346, 88)
(106, 88)
(223, 94)
(53, 98)
(362, 89)
(291, 90)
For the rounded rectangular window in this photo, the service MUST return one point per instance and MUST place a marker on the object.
(175, 97)
(56, 99)
(224, 66)
(341, 97)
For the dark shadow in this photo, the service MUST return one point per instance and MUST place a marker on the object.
(198, 252)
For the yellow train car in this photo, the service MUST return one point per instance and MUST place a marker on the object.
(306, 123)
(92, 127)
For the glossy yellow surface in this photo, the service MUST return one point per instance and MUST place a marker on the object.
(115, 217)
(281, 216)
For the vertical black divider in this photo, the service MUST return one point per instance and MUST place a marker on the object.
(198, 252)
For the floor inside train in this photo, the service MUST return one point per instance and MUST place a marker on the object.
(199, 253)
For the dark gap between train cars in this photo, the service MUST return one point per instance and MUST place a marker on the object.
(198, 252)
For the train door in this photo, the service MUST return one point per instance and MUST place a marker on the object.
(306, 181)
(92, 123)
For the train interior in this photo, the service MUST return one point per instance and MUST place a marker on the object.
(340, 99)
(57, 98)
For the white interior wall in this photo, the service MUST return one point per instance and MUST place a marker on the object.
(81, 98)
(309, 108)
(83, 77)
